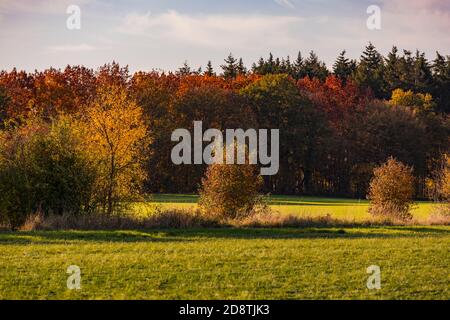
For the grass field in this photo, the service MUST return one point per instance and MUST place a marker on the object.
(227, 263)
(314, 263)
(352, 209)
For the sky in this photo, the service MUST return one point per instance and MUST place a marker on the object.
(162, 34)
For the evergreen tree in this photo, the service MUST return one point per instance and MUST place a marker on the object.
(422, 74)
(270, 65)
(392, 70)
(315, 68)
(299, 67)
(441, 82)
(230, 68)
(241, 69)
(406, 67)
(258, 68)
(185, 70)
(369, 73)
(343, 68)
(209, 69)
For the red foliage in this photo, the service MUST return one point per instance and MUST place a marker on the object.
(333, 97)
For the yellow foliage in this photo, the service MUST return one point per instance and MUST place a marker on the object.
(410, 99)
(116, 135)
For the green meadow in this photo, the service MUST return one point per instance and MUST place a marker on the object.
(351, 209)
(229, 263)
(324, 263)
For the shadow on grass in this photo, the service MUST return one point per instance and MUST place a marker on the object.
(190, 235)
(62, 237)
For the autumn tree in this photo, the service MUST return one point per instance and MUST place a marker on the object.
(230, 191)
(444, 188)
(410, 99)
(278, 104)
(392, 190)
(117, 135)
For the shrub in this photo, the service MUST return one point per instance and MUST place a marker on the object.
(230, 191)
(43, 169)
(391, 190)
(443, 188)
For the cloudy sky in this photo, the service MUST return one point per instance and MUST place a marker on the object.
(162, 34)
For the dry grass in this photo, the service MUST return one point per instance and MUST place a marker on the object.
(182, 219)
(176, 219)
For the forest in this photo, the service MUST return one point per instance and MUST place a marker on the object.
(336, 124)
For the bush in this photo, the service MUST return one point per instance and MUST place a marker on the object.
(230, 191)
(43, 169)
(391, 190)
(443, 188)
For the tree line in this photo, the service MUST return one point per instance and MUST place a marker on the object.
(335, 127)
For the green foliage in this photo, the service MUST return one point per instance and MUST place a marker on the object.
(43, 168)
(278, 104)
(391, 190)
(344, 68)
(231, 67)
(369, 73)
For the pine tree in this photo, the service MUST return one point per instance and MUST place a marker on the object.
(185, 70)
(230, 67)
(299, 67)
(406, 66)
(270, 65)
(441, 82)
(209, 69)
(422, 74)
(369, 73)
(343, 68)
(392, 72)
(315, 68)
(241, 69)
(257, 68)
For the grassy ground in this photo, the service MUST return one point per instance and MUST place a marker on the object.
(228, 263)
(352, 209)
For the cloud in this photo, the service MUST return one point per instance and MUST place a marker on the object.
(72, 48)
(213, 30)
(38, 6)
(285, 3)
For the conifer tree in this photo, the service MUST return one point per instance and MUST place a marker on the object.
(230, 68)
(241, 69)
(369, 73)
(209, 69)
(422, 73)
(392, 70)
(441, 81)
(185, 70)
(315, 68)
(343, 68)
(299, 67)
